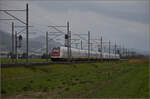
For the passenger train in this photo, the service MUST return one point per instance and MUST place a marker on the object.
(60, 54)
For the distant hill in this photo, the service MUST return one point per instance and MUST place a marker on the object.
(36, 44)
(143, 52)
(5, 41)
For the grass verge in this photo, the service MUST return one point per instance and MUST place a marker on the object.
(124, 79)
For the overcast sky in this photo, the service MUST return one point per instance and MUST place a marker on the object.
(127, 22)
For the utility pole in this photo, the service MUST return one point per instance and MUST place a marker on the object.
(119, 48)
(27, 32)
(68, 43)
(81, 44)
(12, 41)
(101, 49)
(16, 45)
(47, 46)
(123, 51)
(126, 53)
(109, 48)
(88, 44)
(115, 48)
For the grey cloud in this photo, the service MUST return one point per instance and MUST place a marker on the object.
(138, 12)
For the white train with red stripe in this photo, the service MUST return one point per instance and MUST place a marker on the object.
(61, 54)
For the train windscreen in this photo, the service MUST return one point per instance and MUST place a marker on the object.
(55, 50)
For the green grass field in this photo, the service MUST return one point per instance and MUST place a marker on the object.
(9, 61)
(126, 79)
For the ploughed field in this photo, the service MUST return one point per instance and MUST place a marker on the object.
(124, 79)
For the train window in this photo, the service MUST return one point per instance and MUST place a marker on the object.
(55, 50)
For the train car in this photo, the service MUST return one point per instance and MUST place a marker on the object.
(61, 54)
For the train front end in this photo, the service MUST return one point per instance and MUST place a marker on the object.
(55, 54)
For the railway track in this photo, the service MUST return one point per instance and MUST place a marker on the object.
(29, 64)
(5, 65)
(37, 64)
